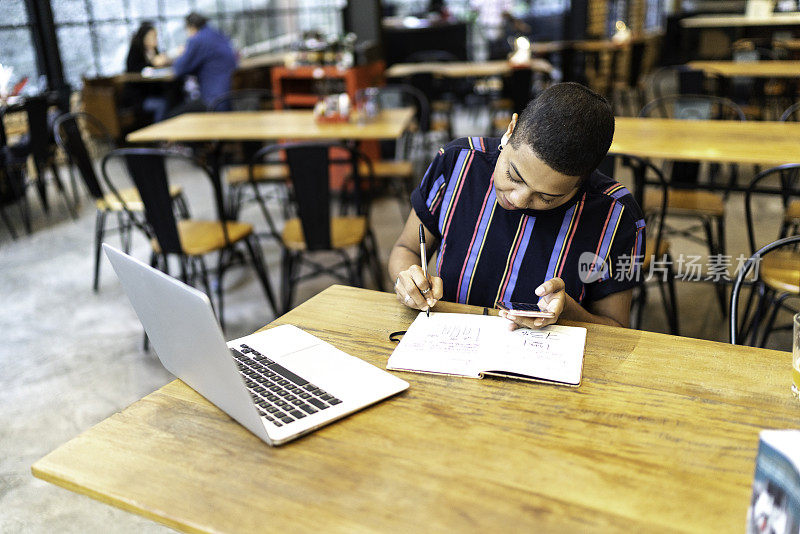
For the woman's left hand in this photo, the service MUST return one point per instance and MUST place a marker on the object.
(552, 298)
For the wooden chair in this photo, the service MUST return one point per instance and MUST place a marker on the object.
(657, 247)
(315, 226)
(778, 273)
(190, 240)
(684, 200)
(69, 130)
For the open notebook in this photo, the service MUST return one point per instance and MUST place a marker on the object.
(478, 345)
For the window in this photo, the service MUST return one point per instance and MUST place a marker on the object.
(94, 35)
(16, 45)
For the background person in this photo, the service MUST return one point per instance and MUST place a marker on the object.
(210, 57)
(144, 53)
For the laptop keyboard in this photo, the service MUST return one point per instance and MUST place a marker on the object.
(280, 395)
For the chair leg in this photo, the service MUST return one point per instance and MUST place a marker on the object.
(221, 265)
(261, 269)
(722, 249)
(99, 231)
(668, 297)
(714, 248)
(182, 206)
(63, 190)
(761, 307)
(41, 186)
(73, 181)
(776, 307)
(22, 196)
(7, 222)
(673, 307)
(204, 280)
(375, 261)
(288, 261)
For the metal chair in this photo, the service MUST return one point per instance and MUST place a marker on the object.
(315, 226)
(190, 240)
(791, 114)
(42, 151)
(657, 247)
(737, 327)
(779, 273)
(68, 130)
(684, 199)
(12, 185)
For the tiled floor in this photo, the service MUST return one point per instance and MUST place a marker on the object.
(71, 358)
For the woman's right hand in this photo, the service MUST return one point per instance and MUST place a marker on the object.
(416, 291)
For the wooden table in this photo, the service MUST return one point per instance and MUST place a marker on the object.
(267, 125)
(661, 436)
(751, 142)
(733, 21)
(751, 69)
(158, 76)
(463, 69)
(269, 59)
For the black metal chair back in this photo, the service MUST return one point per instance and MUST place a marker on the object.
(680, 79)
(693, 107)
(309, 171)
(39, 131)
(147, 169)
(788, 178)
(791, 114)
(736, 324)
(67, 131)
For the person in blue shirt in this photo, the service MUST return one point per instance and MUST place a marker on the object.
(208, 55)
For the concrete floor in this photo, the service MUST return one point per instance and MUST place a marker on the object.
(71, 358)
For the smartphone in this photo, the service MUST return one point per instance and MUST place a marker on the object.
(523, 309)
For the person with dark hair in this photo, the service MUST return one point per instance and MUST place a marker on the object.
(527, 218)
(144, 53)
(208, 55)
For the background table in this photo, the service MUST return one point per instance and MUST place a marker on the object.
(464, 69)
(268, 125)
(661, 435)
(750, 69)
(752, 142)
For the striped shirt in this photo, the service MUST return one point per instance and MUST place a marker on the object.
(487, 254)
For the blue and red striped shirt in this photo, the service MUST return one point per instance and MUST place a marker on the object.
(488, 254)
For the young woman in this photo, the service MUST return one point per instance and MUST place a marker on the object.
(143, 53)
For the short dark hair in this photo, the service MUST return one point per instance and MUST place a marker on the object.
(196, 20)
(568, 126)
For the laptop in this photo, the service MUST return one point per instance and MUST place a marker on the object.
(279, 384)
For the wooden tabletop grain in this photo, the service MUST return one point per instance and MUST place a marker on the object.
(753, 69)
(661, 436)
(730, 21)
(463, 69)
(267, 125)
(753, 142)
